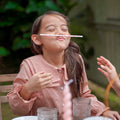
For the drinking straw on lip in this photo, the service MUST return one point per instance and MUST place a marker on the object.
(61, 35)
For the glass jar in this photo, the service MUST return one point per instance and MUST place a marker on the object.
(45, 113)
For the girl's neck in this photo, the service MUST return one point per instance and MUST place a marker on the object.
(56, 60)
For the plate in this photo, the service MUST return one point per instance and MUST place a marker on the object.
(97, 118)
(26, 118)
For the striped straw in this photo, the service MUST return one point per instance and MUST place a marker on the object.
(62, 35)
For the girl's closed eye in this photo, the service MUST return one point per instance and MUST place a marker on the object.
(64, 28)
(51, 28)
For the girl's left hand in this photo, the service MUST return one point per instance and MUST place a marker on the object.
(107, 68)
(111, 114)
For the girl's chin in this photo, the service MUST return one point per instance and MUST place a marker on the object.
(59, 49)
(62, 47)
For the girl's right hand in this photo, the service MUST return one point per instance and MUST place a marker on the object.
(38, 81)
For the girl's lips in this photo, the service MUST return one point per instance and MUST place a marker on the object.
(60, 38)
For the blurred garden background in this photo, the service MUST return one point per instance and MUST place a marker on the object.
(97, 20)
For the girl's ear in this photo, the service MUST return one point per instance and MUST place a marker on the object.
(35, 38)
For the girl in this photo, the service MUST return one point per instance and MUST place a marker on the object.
(42, 77)
(109, 71)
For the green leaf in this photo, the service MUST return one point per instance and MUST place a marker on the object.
(4, 51)
(36, 7)
(13, 6)
(6, 23)
(62, 2)
(20, 43)
(27, 36)
(52, 5)
(19, 8)
(32, 6)
(2, 10)
(42, 6)
(25, 27)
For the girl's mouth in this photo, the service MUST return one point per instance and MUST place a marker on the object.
(60, 38)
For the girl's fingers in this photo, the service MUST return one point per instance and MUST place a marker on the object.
(99, 63)
(117, 116)
(105, 68)
(102, 71)
(55, 81)
(50, 84)
(45, 80)
(102, 61)
(106, 62)
(44, 75)
(39, 73)
(45, 84)
(112, 114)
(54, 85)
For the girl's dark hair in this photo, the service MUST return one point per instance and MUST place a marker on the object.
(72, 58)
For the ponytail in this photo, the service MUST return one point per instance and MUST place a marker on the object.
(74, 66)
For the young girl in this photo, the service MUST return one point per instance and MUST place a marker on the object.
(42, 77)
(109, 71)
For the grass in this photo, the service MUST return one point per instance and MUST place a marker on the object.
(114, 101)
(7, 112)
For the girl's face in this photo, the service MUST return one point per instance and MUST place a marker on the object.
(54, 24)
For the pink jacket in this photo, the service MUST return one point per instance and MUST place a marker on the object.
(51, 96)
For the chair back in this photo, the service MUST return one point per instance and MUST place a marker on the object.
(6, 85)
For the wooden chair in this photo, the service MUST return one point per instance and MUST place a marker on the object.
(6, 85)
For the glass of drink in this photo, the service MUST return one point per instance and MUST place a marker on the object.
(81, 108)
(45, 113)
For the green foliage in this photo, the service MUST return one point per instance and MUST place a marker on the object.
(52, 5)
(13, 6)
(20, 43)
(3, 51)
(17, 18)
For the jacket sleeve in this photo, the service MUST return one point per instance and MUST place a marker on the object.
(97, 107)
(18, 105)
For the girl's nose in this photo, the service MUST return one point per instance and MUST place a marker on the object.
(59, 31)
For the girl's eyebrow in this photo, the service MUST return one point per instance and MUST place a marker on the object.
(50, 26)
(64, 25)
(55, 25)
